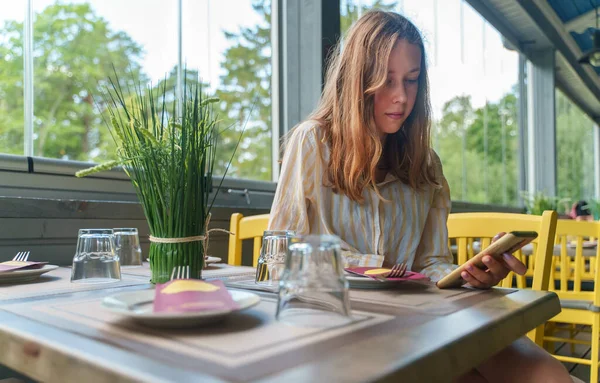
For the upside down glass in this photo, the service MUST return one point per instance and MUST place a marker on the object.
(313, 291)
(95, 260)
(127, 246)
(271, 260)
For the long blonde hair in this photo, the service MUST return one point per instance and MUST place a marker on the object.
(345, 111)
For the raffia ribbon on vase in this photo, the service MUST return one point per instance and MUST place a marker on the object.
(195, 238)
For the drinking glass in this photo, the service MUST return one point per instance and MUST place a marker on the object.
(313, 291)
(95, 260)
(271, 260)
(127, 246)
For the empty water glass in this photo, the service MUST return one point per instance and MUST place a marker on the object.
(271, 260)
(95, 260)
(313, 290)
(127, 246)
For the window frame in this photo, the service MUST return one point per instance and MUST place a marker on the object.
(54, 178)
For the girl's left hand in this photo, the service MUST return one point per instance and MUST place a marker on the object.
(496, 270)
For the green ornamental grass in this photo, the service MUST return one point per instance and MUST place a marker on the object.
(169, 155)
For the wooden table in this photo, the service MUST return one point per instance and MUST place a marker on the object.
(396, 334)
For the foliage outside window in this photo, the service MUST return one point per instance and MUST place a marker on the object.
(11, 81)
(77, 44)
(245, 91)
(574, 151)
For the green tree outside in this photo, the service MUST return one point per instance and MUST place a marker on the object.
(74, 52)
(460, 145)
(245, 93)
(574, 151)
(11, 88)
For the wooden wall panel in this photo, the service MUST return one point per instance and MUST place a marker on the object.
(48, 228)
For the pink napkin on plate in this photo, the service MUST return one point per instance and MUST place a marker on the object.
(19, 265)
(408, 276)
(192, 295)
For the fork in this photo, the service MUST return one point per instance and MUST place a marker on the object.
(180, 272)
(397, 271)
(21, 256)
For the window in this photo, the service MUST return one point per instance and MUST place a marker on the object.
(233, 51)
(11, 78)
(77, 43)
(473, 83)
(474, 99)
(574, 151)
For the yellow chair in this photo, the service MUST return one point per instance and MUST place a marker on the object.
(579, 307)
(565, 244)
(466, 227)
(243, 228)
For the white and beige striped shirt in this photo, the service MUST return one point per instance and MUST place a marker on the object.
(410, 228)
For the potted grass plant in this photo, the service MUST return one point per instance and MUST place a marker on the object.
(537, 203)
(169, 155)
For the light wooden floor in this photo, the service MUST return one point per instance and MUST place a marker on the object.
(581, 351)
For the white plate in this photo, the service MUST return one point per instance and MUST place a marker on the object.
(210, 260)
(138, 306)
(357, 282)
(26, 275)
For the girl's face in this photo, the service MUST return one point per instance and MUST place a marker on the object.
(395, 100)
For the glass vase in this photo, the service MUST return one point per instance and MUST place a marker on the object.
(166, 256)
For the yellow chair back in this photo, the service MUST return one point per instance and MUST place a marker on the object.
(243, 228)
(572, 268)
(466, 228)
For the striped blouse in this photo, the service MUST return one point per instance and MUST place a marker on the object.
(410, 228)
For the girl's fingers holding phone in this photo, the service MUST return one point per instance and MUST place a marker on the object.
(486, 279)
(498, 236)
(473, 281)
(499, 270)
(514, 264)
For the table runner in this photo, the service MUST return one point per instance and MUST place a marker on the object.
(58, 282)
(422, 297)
(425, 297)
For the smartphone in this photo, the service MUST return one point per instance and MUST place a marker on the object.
(508, 243)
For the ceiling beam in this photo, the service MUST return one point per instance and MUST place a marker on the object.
(582, 22)
(547, 20)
